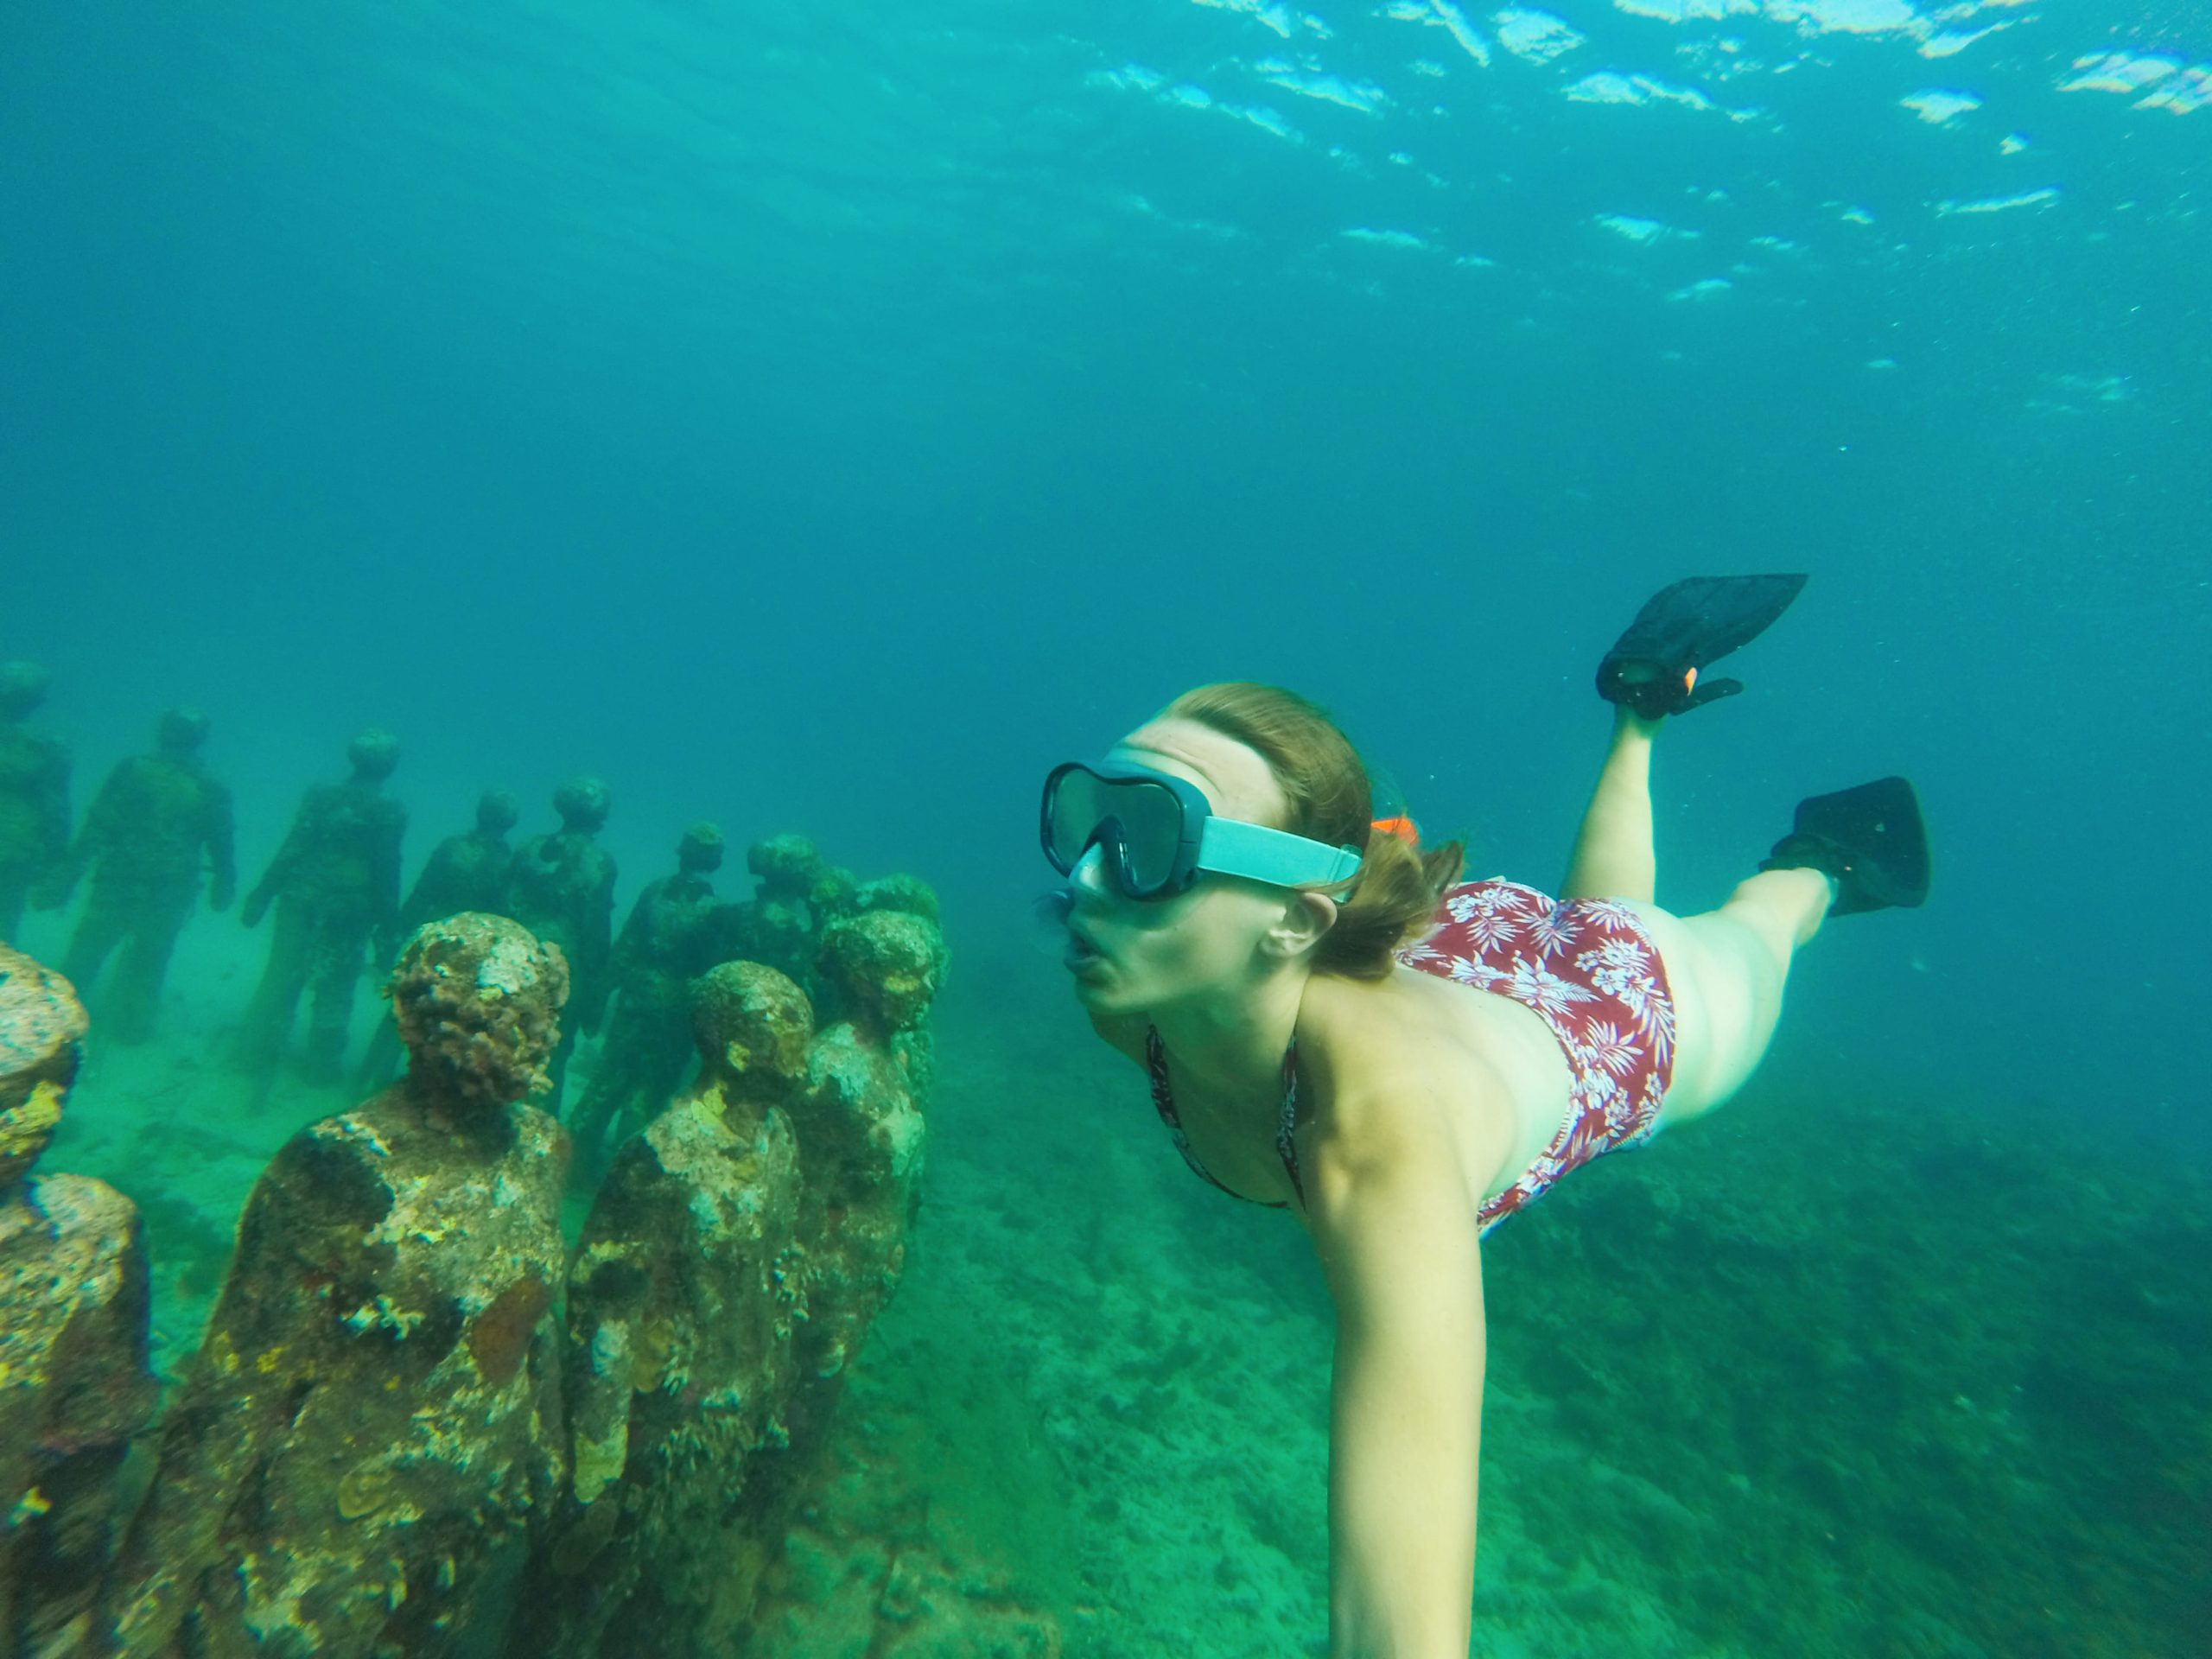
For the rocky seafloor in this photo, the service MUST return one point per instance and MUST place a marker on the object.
(1826, 1375)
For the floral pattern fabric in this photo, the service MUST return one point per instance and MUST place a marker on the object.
(1590, 971)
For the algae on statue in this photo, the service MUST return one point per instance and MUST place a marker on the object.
(683, 1301)
(860, 1126)
(74, 1388)
(729, 1269)
(366, 1443)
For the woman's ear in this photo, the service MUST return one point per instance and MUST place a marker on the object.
(1305, 919)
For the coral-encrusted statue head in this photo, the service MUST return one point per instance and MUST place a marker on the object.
(787, 866)
(889, 965)
(753, 1026)
(478, 1001)
(42, 1036)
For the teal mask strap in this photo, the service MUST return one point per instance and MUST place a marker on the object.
(1230, 847)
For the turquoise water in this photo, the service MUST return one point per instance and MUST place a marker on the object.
(827, 418)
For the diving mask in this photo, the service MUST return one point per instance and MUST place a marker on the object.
(1156, 832)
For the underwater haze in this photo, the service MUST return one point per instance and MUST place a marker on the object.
(826, 418)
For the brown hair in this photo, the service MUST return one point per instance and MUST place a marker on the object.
(1393, 898)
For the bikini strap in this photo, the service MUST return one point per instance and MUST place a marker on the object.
(1287, 1124)
(1163, 1102)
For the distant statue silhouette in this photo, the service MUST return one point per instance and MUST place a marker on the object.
(335, 884)
(668, 940)
(561, 886)
(158, 821)
(467, 872)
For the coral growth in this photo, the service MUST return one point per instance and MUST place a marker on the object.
(689, 1285)
(75, 1387)
(728, 1272)
(888, 966)
(477, 1001)
(369, 1434)
(383, 1445)
(41, 1027)
(752, 1026)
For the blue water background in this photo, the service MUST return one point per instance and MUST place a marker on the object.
(826, 418)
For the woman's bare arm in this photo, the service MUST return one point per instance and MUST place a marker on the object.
(1397, 1238)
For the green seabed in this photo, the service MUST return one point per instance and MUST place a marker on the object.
(1823, 1374)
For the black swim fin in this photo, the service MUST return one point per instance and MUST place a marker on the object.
(1870, 840)
(1654, 667)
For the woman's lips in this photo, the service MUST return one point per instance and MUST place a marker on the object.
(1081, 952)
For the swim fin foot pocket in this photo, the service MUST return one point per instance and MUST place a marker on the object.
(1870, 841)
(1656, 667)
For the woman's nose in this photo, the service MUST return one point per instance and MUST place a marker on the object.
(1089, 872)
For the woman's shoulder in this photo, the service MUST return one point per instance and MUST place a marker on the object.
(1383, 1039)
(1394, 1075)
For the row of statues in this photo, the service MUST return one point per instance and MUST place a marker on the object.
(160, 832)
(418, 1424)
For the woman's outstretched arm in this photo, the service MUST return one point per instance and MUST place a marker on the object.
(1397, 1238)
(1613, 856)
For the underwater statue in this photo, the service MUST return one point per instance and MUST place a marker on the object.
(668, 940)
(777, 927)
(34, 794)
(561, 886)
(860, 1127)
(733, 1261)
(158, 823)
(372, 1432)
(465, 871)
(468, 871)
(684, 1299)
(74, 1389)
(335, 884)
(914, 1044)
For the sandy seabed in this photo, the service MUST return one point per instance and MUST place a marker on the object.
(1823, 1374)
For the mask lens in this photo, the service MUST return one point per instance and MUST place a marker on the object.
(1146, 829)
(1070, 816)
(1152, 828)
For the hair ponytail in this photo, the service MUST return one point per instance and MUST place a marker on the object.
(1393, 900)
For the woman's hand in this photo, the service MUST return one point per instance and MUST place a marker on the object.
(1395, 1225)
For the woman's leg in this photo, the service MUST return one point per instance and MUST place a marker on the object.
(1612, 856)
(1725, 969)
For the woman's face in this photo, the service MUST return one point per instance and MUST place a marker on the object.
(1128, 956)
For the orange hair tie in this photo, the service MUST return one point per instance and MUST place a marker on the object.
(1402, 826)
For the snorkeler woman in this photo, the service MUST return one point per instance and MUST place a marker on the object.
(1334, 1024)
